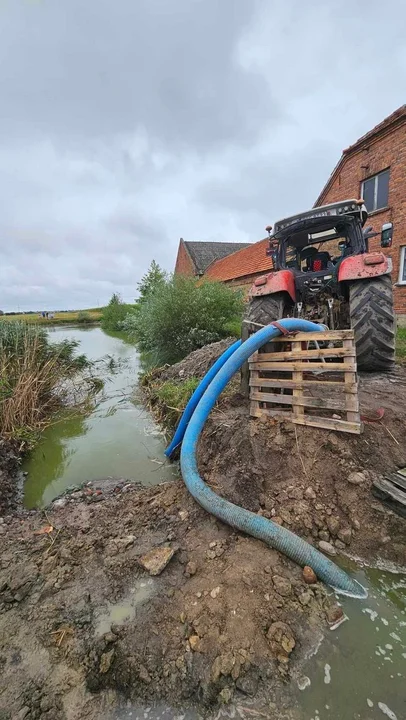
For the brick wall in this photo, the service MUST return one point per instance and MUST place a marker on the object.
(184, 264)
(388, 151)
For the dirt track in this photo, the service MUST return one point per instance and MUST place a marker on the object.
(228, 617)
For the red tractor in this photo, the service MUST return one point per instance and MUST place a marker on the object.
(323, 271)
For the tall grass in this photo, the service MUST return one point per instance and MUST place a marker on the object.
(36, 378)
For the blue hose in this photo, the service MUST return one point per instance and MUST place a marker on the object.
(278, 537)
(190, 407)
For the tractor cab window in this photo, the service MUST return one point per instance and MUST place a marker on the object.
(315, 252)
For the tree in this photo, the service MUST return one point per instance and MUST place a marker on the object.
(153, 279)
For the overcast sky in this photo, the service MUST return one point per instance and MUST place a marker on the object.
(127, 124)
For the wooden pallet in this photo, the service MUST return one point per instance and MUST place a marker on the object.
(291, 377)
(392, 491)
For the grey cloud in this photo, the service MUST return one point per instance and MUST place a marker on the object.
(128, 124)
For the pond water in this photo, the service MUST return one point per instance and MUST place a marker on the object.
(118, 439)
(359, 670)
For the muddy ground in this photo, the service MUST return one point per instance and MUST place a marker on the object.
(228, 618)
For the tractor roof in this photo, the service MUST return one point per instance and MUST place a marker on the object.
(319, 215)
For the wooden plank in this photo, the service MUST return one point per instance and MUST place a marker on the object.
(245, 369)
(311, 402)
(329, 424)
(319, 336)
(297, 366)
(390, 495)
(398, 479)
(281, 414)
(297, 377)
(301, 354)
(291, 384)
(349, 379)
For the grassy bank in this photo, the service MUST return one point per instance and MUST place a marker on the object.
(401, 345)
(37, 378)
(60, 318)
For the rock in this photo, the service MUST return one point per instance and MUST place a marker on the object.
(215, 592)
(282, 585)
(282, 640)
(212, 545)
(345, 535)
(191, 568)
(310, 494)
(278, 520)
(334, 614)
(309, 576)
(227, 663)
(60, 503)
(211, 554)
(327, 548)
(356, 478)
(339, 545)
(356, 524)
(144, 675)
(248, 683)
(324, 535)
(23, 713)
(157, 559)
(306, 597)
(333, 524)
(194, 641)
(225, 695)
(105, 661)
(1, 521)
(183, 514)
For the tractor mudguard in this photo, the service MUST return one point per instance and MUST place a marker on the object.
(366, 266)
(273, 282)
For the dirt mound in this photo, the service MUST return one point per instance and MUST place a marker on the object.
(197, 363)
(80, 616)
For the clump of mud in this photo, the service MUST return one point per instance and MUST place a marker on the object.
(9, 473)
(197, 363)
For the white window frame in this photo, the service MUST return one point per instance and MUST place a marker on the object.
(375, 178)
(402, 262)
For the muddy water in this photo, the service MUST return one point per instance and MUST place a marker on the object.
(119, 439)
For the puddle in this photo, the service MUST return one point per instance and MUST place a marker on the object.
(126, 609)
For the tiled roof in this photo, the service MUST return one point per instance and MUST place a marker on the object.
(395, 118)
(249, 261)
(205, 253)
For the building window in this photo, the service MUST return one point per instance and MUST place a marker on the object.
(375, 191)
(402, 266)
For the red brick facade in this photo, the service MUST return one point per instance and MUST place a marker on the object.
(382, 148)
(184, 264)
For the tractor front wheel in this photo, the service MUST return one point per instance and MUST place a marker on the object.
(373, 321)
(267, 308)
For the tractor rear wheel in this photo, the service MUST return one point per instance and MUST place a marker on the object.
(267, 308)
(373, 321)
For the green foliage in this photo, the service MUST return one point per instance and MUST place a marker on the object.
(115, 312)
(182, 315)
(36, 376)
(151, 281)
(84, 317)
(173, 397)
(401, 344)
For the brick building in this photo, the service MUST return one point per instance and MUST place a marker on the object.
(374, 168)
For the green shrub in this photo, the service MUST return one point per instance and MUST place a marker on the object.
(114, 313)
(84, 317)
(183, 315)
(173, 398)
(401, 344)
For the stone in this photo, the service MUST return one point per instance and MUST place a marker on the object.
(333, 524)
(334, 614)
(105, 661)
(183, 514)
(144, 675)
(310, 494)
(227, 663)
(191, 568)
(156, 560)
(356, 524)
(306, 597)
(248, 683)
(327, 548)
(211, 554)
(356, 478)
(60, 503)
(225, 695)
(281, 639)
(339, 545)
(345, 535)
(194, 641)
(282, 585)
(324, 535)
(309, 576)
(212, 545)
(215, 592)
